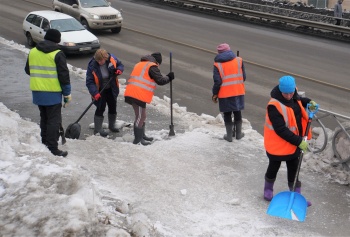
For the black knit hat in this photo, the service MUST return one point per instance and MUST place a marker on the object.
(158, 57)
(53, 35)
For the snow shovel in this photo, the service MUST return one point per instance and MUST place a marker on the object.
(289, 204)
(73, 129)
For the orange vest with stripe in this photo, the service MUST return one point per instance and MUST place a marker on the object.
(232, 78)
(97, 82)
(140, 86)
(274, 144)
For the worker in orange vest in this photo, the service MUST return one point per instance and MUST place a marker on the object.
(284, 129)
(140, 90)
(229, 77)
(103, 70)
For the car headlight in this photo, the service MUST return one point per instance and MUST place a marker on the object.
(95, 42)
(69, 44)
(95, 17)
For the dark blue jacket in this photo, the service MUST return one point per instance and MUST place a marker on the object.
(93, 66)
(234, 103)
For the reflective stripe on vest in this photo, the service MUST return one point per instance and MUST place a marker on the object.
(43, 71)
(274, 144)
(140, 86)
(232, 78)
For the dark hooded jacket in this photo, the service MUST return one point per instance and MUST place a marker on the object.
(51, 98)
(279, 125)
(234, 103)
(155, 74)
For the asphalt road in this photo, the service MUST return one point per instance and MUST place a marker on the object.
(192, 39)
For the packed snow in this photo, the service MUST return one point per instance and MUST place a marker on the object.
(191, 184)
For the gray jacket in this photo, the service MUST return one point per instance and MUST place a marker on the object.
(338, 9)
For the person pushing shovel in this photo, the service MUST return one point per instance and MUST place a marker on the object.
(140, 90)
(102, 72)
(285, 125)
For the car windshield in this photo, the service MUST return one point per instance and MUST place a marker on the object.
(93, 3)
(64, 25)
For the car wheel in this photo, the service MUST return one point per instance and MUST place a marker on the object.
(30, 40)
(85, 24)
(116, 30)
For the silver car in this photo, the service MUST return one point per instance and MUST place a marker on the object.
(75, 38)
(93, 14)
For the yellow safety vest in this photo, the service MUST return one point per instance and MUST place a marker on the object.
(43, 71)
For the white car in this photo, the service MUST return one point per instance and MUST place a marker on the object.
(93, 14)
(75, 39)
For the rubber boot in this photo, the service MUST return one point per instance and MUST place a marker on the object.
(98, 120)
(144, 135)
(229, 132)
(238, 126)
(298, 190)
(138, 132)
(111, 122)
(58, 152)
(268, 189)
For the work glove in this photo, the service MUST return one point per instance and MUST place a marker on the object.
(97, 96)
(303, 146)
(66, 99)
(118, 72)
(171, 76)
(313, 105)
(214, 98)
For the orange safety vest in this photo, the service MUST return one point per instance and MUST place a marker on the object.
(97, 82)
(232, 78)
(274, 144)
(140, 86)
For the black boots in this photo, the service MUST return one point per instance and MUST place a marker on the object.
(58, 152)
(138, 132)
(229, 132)
(98, 120)
(144, 135)
(111, 122)
(238, 129)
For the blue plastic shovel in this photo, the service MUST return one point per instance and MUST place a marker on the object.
(289, 204)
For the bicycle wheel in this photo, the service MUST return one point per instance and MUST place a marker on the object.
(341, 145)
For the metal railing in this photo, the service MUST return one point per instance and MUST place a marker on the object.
(340, 132)
(262, 12)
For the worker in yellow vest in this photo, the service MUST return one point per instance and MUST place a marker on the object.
(140, 90)
(229, 77)
(49, 81)
(285, 126)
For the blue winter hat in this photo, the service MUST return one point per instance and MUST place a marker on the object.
(287, 84)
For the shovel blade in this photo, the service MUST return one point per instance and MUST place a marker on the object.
(288, 205)
(73, 131)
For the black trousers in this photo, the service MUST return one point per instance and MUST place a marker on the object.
(228, 116)
(108, 99)
(50, 122)
(274, 166)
